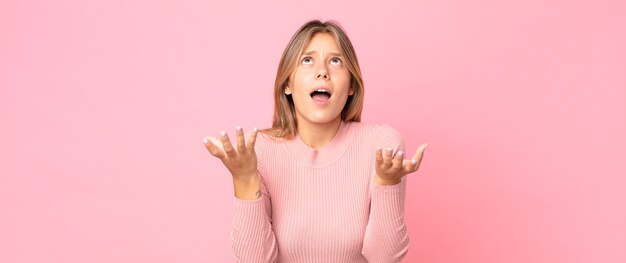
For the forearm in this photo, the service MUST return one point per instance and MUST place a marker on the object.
(252, 235)
(386, 235)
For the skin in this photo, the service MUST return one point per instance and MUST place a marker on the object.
(320, 64)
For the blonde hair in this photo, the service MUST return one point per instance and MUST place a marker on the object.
(284, 124)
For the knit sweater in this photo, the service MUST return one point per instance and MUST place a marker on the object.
(322, 205)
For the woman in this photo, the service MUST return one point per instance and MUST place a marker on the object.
(318, 186)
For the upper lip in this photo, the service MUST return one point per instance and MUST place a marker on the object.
(322, 87)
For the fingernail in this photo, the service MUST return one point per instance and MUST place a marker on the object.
(400, 154)
(425, 145)
(205, 140)
(378, 148)
(255, 129)
(414, 162)
(223, 134)
(389, 150)
(238, 128)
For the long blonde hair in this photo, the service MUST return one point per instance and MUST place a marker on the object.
(284, 124)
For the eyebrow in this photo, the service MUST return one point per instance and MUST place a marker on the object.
(313, 51)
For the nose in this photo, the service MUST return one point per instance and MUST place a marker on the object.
(322, 74)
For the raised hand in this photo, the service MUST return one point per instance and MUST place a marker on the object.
(241, 160)
(390, 169)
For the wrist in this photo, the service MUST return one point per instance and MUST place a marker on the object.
(247, 188)
(381, 181)
(246, 178)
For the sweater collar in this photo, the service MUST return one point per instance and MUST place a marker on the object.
(326, 155)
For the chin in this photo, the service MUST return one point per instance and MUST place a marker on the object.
(322, 119)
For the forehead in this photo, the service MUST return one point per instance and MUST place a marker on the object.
(321, 42)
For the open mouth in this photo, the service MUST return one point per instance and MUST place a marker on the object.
(320, 95)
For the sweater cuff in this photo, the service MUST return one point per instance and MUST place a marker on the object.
(249, 208)
(389, 198)
(248, 204)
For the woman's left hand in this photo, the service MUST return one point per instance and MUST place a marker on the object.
(391, 169)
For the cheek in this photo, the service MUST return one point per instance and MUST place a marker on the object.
(342, 77)
(302, 76)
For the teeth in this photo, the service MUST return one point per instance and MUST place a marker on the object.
(321, 91)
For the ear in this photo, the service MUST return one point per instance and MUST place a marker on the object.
(287, 91)
(351, 92)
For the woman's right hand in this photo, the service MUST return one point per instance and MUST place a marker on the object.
(240, 161)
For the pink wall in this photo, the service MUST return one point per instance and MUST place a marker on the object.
(103, 107)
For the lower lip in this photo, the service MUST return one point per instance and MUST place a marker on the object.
(321, 103)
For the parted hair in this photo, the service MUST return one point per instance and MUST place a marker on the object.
(284, 124)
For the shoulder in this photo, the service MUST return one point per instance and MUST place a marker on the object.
(376, 129)
(265, 138)
(383, 135)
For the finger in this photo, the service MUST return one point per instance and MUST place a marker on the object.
(217, 143)
(252, 139)
(419, 154)
(214, 150)
(241, 141)
(379, 156)
(387, 158)
(228, 147)
(408, 166)
(397, 161)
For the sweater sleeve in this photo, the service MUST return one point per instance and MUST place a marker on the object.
(252, 234)
(386, 236)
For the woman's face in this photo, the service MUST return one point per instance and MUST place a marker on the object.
(320, 84)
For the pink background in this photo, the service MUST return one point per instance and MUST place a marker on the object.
(103, 105)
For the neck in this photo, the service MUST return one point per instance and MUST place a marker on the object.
(318, 135)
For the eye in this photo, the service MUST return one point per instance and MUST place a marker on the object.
(307, 60)
(336, 61)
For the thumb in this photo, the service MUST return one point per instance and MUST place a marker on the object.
(419, 153)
